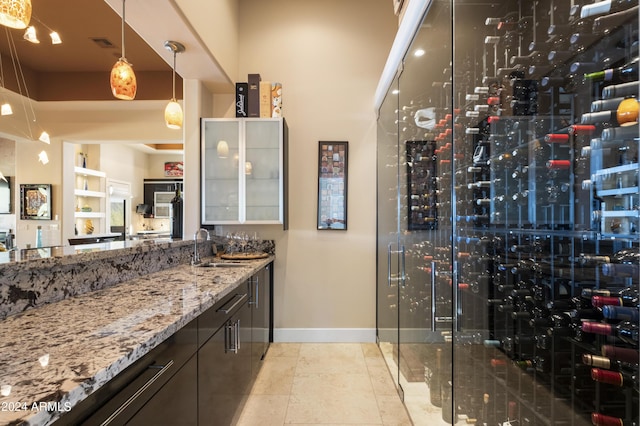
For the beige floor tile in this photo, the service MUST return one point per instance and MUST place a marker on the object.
(332, 398)
(371, 350)
(392, 411)
(346, 358)
(283, 349)
(275, 376)
(264, 410)
(334, 384)
(382, 383)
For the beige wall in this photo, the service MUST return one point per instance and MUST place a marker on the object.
(328, 55)
(216, 23)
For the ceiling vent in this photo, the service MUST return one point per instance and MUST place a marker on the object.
(103, 42)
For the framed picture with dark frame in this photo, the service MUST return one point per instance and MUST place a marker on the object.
(35, 201)
(332, 185)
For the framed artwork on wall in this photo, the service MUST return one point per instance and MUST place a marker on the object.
(332, 185)
(35, 201)
(174, 169)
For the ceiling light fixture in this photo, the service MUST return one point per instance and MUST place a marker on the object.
(15, 13)
(43, 157)
(6, 109)
(30, 35)
(123, 79)
(55, 37)
(44, 137)
(22, 84)
(173, 112)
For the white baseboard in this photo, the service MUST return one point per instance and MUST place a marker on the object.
(324, 335)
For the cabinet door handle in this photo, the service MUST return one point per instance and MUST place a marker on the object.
(389, 264)
(237, 335)
(139, 392)
(403, 273)
(255, 291)
(433, 296)
(230, 308)
(232, 337)
(256, 301)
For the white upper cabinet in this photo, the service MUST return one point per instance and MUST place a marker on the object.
(244, 171)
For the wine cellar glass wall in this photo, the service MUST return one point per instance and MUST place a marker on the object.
(508, 214)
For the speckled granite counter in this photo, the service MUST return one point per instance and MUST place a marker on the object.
(63, 351)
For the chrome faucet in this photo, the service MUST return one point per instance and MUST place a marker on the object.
(196, 255)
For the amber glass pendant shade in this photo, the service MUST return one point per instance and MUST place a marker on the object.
(173, 115)
(15, 13)
(123, 80)
(173, 112)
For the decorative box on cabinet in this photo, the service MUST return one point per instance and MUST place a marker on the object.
(244, 171)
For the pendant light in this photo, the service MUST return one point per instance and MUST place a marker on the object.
(123, 79)
(15, 13)
(173, 112)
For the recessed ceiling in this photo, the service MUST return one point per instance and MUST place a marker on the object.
(91, 44)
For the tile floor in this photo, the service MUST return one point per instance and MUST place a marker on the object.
(319, 384)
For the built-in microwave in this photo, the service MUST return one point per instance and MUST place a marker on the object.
(162, 204)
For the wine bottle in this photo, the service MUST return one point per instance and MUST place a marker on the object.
(558, 164)
(604, 362)
(627, 255)
(620, 133)
(623, 74)
(629, 300)
(621, 354)
(606, 6)
(626, 113)
(484, 415)
(605, 24)
(601, 420)
(620, 90)
(606, 104)
(626, 331)
(435, 395)
(623, 313)
(533, 58)
(616, 378)
(449, 412)
(620, 270)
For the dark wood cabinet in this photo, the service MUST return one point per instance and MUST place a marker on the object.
(202, 372)
(224, 368)
(175, 403)
(161, 385)
(261, 312)
(153, 186)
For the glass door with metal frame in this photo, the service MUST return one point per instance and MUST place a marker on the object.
(388, 265)
(425, 140)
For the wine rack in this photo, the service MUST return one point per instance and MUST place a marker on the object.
(529, 269)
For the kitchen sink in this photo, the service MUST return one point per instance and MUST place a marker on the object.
(220, 264)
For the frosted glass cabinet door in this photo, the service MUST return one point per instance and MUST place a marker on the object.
(220, 177)
(243, 171)
(263, 189)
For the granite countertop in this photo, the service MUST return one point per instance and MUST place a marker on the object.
(62, 352)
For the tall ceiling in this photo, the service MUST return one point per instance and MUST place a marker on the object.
(78, 69)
